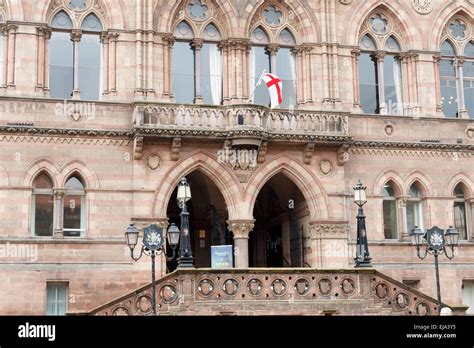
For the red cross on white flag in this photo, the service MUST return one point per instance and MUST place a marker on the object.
(274, 85)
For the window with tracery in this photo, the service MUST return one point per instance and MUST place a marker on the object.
(380, 67)
(456, 69)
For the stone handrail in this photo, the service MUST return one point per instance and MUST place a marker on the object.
(299, 291)
(226, 118)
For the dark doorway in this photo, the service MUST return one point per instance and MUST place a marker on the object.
(207, 219)
(280, 212)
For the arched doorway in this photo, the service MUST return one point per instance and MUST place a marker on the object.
(280, 213)
(207, 219)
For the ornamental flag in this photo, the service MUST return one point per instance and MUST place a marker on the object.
(274, 85)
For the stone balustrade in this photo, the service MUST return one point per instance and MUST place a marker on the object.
(226, 120)
(274, 292)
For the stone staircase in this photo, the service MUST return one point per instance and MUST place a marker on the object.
(283, 291)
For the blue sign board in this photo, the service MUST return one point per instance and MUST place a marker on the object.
(222, 256)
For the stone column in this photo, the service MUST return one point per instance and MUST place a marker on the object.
(197, 45)
(298, 52)
(308, 73)
(379, 57)
(414, 74)
(436, 60)
(104, 39)
(168, 42)
(76, 35)
(58, 212)
(459, 61)
(224, 46)
(113, 37)
(272, 50)
(150, 65)
(11, 29)
(355, 54)
(406, 78)
(402, 209)
(241, 230)
(470, 218)
(329, 244)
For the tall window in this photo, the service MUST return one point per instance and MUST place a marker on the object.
(368, 78)
(468, 295)
(259, 61)
(42, 206)
(414, 208)
(197, 66)
(61, 61)
(56, 298)
(468, 71)
(75, 58)
(278, 59)
(460, 212)
(457, 69)
(448, 80)
(90, 59)
(74, 212)
(380, 77)
(389, 212)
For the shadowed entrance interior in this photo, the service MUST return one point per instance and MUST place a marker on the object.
(207, 219)
(278, 237)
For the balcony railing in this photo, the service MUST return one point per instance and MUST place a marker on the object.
(221, 120)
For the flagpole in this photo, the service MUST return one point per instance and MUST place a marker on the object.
(256, 85)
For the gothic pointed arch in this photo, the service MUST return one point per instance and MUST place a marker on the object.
(400, 20)
(390, 175)
(441, 30)
(77, 10)
(37, 166)
(460, 178)
(306, 181)
(225, 180)
(274, 16)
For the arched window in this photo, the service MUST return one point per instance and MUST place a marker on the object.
(448, 80)
(456, 69)
(380, 70)
(286, 68)
(183, 64)
(61, 57)
(211, 66)
(460, 211)
(259, 62)
(42, 206)
(74, 208)
(75, 58)
(90, 58)
(389, 212)
(368, 80)
(392, 76)
(468, 71)
(414, 209)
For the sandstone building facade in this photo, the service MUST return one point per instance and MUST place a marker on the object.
(105, 105)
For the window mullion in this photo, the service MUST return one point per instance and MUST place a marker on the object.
(460, 86)
(76, 38)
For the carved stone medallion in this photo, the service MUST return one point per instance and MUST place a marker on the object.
(153, 161)
(206, 287)
(325, 167)
(143, 304)
(168, 294)
(381, 291)
(302, 287)
(325, 286)
(230, 287)
(255, 287)
(348, 286)
(279, 287)
(423, 6)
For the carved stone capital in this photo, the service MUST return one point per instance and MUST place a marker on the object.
(11, 28)
(59, 193)
(142, 223)
(241, 228)
(76, 35)
(169, 40)
(197, 44)
(272, 48)
(44, 32)
(327, 230)
(380, 55)
(356, 52)
(436, 58)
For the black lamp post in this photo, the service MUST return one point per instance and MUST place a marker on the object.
(362, 250)
(436, 240)
(153, 244)
(185, 259)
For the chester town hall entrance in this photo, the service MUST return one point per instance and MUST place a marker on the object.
(105, 106)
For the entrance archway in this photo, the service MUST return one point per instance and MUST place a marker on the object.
(280, 213)
(207, 219)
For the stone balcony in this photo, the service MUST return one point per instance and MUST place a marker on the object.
(239, 122)
(274, 292)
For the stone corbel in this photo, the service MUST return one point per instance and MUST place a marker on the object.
(138, 148)
(175, 149)
(308, 153)
(343, 155)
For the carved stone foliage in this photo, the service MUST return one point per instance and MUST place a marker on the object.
(190, 291)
